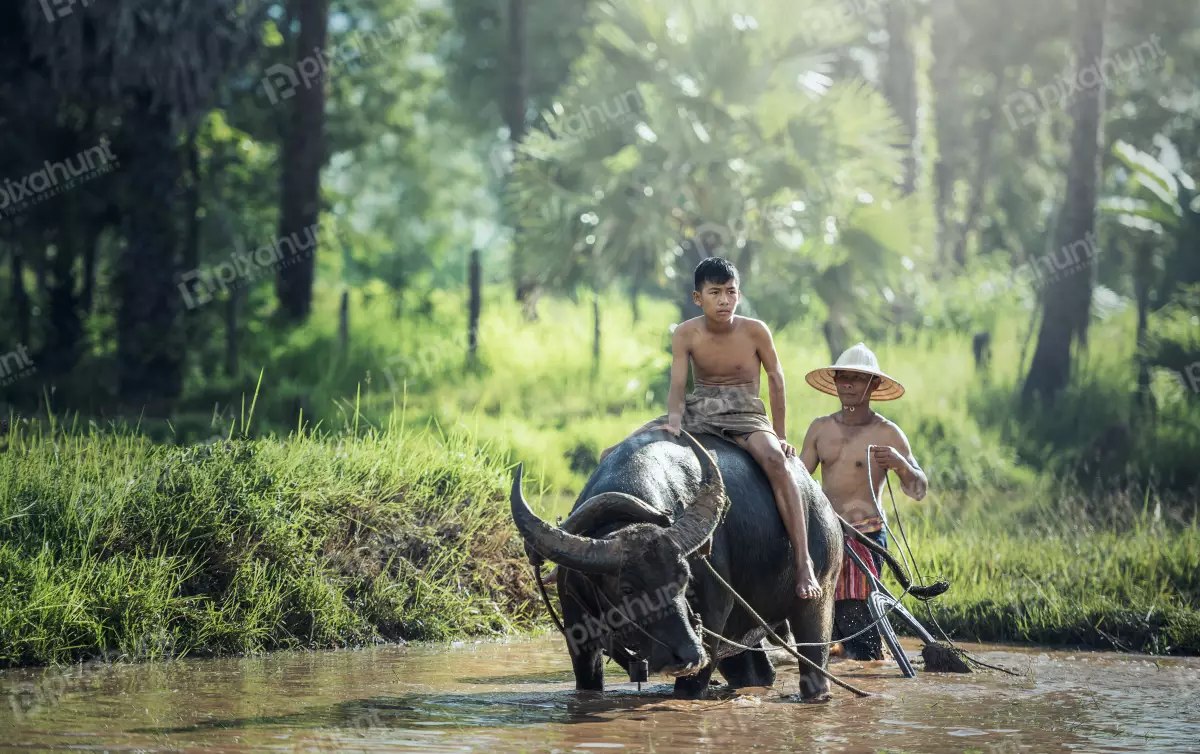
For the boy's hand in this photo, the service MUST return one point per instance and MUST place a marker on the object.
(789, 450)
(674, 427)
(887, 457)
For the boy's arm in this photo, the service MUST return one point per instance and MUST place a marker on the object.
(775, 384)
(808, 449)
(679, 371)
(899, 457)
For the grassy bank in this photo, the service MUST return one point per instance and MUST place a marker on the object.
(1046, 570)
(114, 547)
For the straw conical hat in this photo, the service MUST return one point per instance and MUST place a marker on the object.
(857, 358)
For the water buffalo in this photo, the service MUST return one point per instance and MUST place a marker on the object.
(631, 584)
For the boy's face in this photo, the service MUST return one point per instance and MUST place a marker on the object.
(852, 386)
(718, 300)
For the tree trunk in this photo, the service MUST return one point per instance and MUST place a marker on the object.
(233, 305)
(1143, 270)
(90, 252)
(516, 97)
(692, 255)
(344, 324)
(518, 67)
(835, 336)
(61, 350)
(21, 309)
(474, 278)
(191, 242)
(302, 157)
(1066, 301)
(985, 132)
(595, 331)
(900, 83)
(947, 122)
(149, 346)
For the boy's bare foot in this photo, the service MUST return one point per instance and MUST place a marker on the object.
(706, 548)
(807, 587)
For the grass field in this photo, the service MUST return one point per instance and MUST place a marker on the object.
(386, 516)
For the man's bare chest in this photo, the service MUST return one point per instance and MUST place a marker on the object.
(844, 449)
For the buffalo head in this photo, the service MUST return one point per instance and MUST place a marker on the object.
(637, 575)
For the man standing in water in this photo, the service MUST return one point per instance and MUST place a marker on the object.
(727, 354)
(839, 443)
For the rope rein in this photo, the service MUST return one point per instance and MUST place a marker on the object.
(775, 637)
(903, 540)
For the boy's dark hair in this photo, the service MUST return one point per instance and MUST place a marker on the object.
(716, 270)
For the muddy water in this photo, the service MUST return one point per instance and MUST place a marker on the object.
(519, 696)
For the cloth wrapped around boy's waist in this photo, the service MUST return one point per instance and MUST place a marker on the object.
(722, 410)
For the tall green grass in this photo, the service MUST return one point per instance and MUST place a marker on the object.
(1061, 567)
(114, 547)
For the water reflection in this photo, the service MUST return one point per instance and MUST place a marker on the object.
(520, 695)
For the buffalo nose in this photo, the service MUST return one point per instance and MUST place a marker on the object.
(689, 658)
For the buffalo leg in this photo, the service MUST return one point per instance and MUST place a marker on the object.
(850, 618)
(694, 686)
(588, 665)
(812, 621)
(748, 669)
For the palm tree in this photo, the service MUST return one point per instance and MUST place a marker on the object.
(1152, 215)
(704, 136)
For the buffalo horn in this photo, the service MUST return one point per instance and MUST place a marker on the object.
(700, 519)
(583, 554)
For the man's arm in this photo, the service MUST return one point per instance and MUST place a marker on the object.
(775, 383)
(899, 458)
(808, 449)
(680, 351)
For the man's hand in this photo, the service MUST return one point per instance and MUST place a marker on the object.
(789, 450)
(887, 457)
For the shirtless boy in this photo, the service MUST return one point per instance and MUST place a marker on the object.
(838, 443)
(727, 353)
